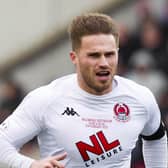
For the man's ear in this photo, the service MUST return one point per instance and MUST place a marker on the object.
(73, 57)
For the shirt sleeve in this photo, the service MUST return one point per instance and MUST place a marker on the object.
(153, 114)
(25, 123)
(155, 153)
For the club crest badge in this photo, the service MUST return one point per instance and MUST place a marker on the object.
(122, 112)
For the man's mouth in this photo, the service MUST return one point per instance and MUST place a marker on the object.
(103, 75)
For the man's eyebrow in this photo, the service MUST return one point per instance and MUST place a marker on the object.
(99, 52)
(93, 53)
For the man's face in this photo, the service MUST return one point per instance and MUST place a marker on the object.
(96, 63)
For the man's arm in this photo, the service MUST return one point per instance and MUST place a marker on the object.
(20, 127)
(10, 156)
(13, 159)
(155, 149)
(15, 131)
(153, 134)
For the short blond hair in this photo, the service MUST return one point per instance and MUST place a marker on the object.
(91, 24)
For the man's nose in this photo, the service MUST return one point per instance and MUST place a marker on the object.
(103, 61)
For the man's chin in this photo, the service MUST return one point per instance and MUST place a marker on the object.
(104, 87)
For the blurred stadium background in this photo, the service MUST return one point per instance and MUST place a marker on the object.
(35, 49)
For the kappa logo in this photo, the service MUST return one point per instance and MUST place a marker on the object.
(70, 112)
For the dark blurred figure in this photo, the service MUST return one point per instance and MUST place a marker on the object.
(12, 95)
(152, 32)
(137, 156)
(143, 10)
(164, 18)
(152, 39)
(164, 108)
(151, 36)
(144, 72)
(128, 45)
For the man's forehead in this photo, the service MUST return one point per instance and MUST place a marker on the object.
(98, 41)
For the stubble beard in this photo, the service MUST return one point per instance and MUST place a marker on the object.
(97, 87)
(90, 85)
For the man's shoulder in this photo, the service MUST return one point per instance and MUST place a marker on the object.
(54, 88)
(131, 88)
(64, 80)
(125, 82)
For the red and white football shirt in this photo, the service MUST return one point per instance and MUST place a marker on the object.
(95, 131)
